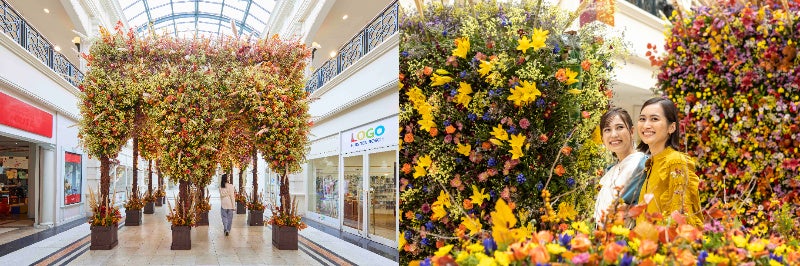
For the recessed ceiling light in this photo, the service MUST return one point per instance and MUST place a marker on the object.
(344, 17)
(47, 11)
(57, 48)
(333, 53)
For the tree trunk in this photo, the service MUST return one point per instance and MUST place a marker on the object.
(158, 171)
(255, 174)
(135, 188)
(149, 177)
(286, 202)
(183, 197)
(241, 179)
(105, 179)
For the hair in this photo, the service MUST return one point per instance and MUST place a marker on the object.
(223, 180)
(671, 114)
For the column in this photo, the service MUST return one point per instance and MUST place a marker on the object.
(47, 184)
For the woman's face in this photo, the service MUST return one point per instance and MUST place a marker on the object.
(653, 127)
(617, 136)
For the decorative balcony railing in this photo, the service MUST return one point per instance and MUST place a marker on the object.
(654, 6)
(13, 25)
(372, 35)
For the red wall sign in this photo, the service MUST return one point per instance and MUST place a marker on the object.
(17, 114)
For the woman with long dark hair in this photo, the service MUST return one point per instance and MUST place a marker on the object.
(671, 177)
(227, 202)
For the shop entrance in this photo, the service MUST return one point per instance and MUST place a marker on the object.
(370, 195)
(16, 185)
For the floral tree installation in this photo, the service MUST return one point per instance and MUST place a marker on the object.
(499, 106)
(733, 71)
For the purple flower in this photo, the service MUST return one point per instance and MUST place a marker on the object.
(570, 182)
(627, 260)
(701, 258)
(407, 235)
(426, 208)
(539, 185)
(520, 178)
(426, 262)
(429, 226)
(418, 216)
(564, 240)
(446, 123)
(404, 54)
(472, 117)
(556, 49)
(492, 162)
(489, 245)
(486, 116)
(426, 241)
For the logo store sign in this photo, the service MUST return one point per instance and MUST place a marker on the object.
(371, 136)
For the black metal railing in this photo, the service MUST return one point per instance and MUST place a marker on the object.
(654, 6)
(372, 35)
(13, 25)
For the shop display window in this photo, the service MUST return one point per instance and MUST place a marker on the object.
(324, 184)
(383, 196)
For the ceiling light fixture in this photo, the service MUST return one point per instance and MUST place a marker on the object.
(333, 54)
(345, 17)
(47, 11)
(57, 48)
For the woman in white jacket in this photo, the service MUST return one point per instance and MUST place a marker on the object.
(226, 194)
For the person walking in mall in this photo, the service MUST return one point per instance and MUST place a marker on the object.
(226, 194)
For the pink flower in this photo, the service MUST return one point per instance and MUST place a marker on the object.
(581, 258)
(524, 123)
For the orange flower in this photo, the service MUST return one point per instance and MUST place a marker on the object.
(427, 71)
(560, 171)
(567, 150)
(518, 251)
(486, 145)
(450, 129)
(410, 215)
(468, 204)
(561, 75)
(406, 168)
(543, 138)
(539, 254)
(686, 258)
(543, 237)
(647, 247)
(434, 131)
(689, 232)
(581, 243)
(611, 254)
(512, 205)
(585, 65)
(408, 137)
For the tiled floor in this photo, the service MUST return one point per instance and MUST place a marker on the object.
(149, 244)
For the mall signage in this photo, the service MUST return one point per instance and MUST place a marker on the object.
(18, 114)
(380, 134)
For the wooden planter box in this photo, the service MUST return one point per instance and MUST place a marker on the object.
(181, 238)
(202, 218)
(159, 201)
(241, 208)
(284, 237)
(255, 218)
(103, 237)
(148, 208)
(133, 217)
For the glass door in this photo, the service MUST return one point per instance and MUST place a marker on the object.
(353, 193)
(381, 209)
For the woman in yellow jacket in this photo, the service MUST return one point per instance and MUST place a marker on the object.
(671, 174)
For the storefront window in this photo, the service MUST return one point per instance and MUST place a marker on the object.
(382, 210)
(353, 174)
(324, 184)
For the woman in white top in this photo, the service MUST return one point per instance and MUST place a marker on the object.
(626, 176)
(226, 199)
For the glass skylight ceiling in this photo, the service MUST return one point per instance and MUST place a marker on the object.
(185, 18)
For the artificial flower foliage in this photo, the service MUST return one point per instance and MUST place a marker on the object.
(483, 118)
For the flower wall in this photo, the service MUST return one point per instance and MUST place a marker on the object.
(733, 71)
(498, 101)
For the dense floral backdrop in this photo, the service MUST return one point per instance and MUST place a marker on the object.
(499, 103)
(733, 71)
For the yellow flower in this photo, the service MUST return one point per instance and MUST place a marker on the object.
(402, 241)
(581, 227)
(424, 161)
(774, 263)
(438, 211)
(499, 134)
(780, 250)
(440, 80)
(443, 251)
(475, 247)
(486, 67)
(443, 199)
(462, 47)
(502, 258)
(555, 249)
(484, 260)
(464, 149)
(472, 224)
(524, 44)
(571, 77)
(461, 257)
(463, 98)
(659, 259)
(524, 94)
(574, 91)
(739, 241)
(756, 246)
(478, 196)
(539, 37)
(716, 259)
(419, 171)
(566, 211)
(620, 230)
(596, 137)
(516, 143)
(426, 124)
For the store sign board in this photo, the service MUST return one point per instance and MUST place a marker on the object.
(383, 133)
(17, 114)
